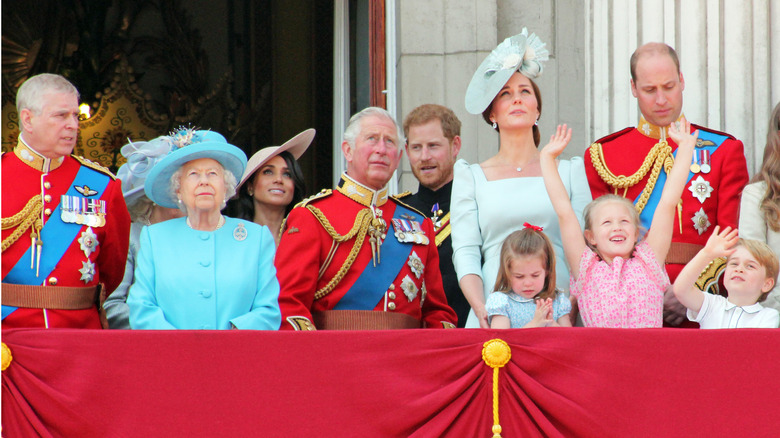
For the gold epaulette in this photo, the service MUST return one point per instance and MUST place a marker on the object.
(93, 165)
(395, 198)
(402, 195)
(324, 193)
(708, 279)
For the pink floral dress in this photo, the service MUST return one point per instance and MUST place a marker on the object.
(629, 293)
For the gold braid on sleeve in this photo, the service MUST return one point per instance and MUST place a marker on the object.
(28, 217)
(660, 156)
(358, 231)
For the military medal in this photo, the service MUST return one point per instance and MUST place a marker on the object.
(88, 241)
(240, 233)
(695, 168)
(409, 231)
(700, 188)
(436, 214)
(700, 221)
(705, 161)
(409, 288)
(416, 264)
(87, 271)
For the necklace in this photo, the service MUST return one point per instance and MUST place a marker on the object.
(219, 223)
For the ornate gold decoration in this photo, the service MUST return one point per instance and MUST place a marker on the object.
(358, 231)
(7, 357)
(496, 353)
(28, 217)
(660, 156)
(708, 279)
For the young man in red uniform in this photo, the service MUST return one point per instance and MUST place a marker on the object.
(65, 223)
(356, 258)
(633, 163)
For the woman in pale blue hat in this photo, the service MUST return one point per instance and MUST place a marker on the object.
(492, 199)
(141, 157)
(204, 270)
(272, 184)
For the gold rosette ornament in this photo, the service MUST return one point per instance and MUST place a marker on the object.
(496, 353)
(7, 357)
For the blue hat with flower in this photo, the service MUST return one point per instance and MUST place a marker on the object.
(520, 53)
(189, 144)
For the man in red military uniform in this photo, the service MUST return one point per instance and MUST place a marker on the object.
(633, 163)
(65, 223)
(356, 258)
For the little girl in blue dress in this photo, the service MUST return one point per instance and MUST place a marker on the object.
(525, 294)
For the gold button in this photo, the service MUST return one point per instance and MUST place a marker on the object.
(392, 287)
(391, 295)
(47, 198)
(52, 281)
(47, 212)
(391, 306)
(46, 185)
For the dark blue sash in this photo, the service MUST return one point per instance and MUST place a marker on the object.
(373, 282)
(655, 196)
(56, 235)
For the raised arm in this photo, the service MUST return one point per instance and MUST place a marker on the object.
(659, 237)
(571, 233)
(720, 244)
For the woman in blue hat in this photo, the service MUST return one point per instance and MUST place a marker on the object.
(492, 199)
(204, 270)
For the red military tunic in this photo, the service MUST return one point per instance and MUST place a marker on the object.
(26, 174)
(307, 247)
(623, 154)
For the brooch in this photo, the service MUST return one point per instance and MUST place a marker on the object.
(87, 271)
(416, 264)
(409, 288)
(700, 188)
(700, 221)
(240, 233)
(88, 241)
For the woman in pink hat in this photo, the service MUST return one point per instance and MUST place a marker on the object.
(272, 184)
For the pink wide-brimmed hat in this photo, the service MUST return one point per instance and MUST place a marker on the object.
(296, 146)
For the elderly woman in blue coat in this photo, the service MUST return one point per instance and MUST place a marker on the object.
(204, 270)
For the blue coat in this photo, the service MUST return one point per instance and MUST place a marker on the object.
(189, 279)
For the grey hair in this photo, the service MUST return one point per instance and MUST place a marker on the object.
(230, 187)
(355, 125)
(31, 93)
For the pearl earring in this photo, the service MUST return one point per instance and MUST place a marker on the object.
(495, 125)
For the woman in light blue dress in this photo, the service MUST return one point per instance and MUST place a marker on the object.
(492, 199)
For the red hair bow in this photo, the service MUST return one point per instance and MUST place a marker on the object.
(533, 227)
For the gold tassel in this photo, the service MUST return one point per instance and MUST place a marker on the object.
(496, 353)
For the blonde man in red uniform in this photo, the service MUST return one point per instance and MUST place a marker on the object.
(355, 257)
(633, 163)
(65, 223)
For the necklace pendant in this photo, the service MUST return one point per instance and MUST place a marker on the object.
(519, 169)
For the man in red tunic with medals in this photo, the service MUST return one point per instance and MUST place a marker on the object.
(356, 258)
(633, 163)
(65, 223)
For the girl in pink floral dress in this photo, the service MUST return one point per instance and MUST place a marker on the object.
(618, 281)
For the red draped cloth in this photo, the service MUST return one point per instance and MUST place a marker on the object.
(572, 382)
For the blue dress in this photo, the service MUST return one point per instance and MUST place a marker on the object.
(520, 310)
(484, 213)
(189, 279)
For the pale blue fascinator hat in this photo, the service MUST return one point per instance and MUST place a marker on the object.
(521, 53)
(189, 144)
(141, 157)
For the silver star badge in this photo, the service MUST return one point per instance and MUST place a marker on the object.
(700, 221)
(87, 271)
(700, 188)
(409, 288)
(416, 264)
(88, 241)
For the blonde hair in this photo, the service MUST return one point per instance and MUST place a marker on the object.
(587, 215)
(770, 173)
(765, 257)
(527, 242)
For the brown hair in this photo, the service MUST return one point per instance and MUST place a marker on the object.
(765, 257)
(450, 124)
(537, 135)
(770, 173)
(587, 214)
(527, 242)
(650, 48)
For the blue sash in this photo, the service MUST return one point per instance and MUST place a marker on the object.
(655, 196)
(56, 235)
(373, 282)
